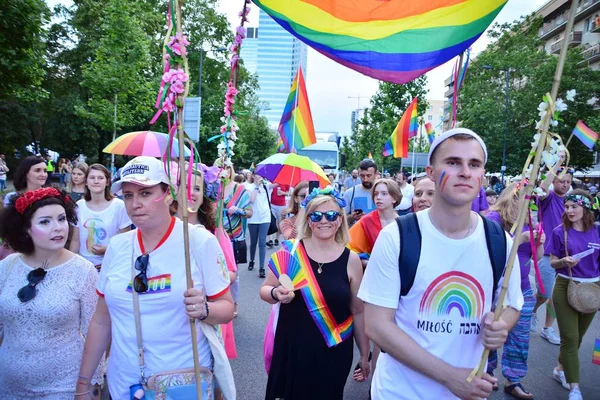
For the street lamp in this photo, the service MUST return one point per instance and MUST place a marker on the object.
(507, 99)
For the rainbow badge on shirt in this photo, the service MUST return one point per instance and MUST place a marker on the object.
(596, 358)
(156, 284)
(452, 297)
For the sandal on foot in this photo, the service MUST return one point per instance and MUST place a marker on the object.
(517, 390)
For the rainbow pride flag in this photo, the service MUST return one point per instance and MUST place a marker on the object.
(296, 127)
(394, 41)
(280, 146)
(596, 358)
(430, 132)
(587, 136)
(397, 144)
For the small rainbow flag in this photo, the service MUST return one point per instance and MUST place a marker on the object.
(296, 127)
(430, 132)
(394, 41)
(280, 146)
(596, 359)
(587, 136)
(397, 144)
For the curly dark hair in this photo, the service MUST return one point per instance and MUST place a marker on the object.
(20, 178)
(207, 213)
(14, 226)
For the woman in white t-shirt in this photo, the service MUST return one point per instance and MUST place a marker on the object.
(258, 224)
(100, 216)
(150, 261)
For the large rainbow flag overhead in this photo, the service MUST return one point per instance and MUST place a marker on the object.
(397, 144)
(296, 127)
(395, 41)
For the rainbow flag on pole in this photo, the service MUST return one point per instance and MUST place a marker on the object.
(280, 146)
(587, 136)
(430, 132)
(296, 127)
(394, 41)
(408, 126)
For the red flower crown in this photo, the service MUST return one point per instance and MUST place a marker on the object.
(29, 198)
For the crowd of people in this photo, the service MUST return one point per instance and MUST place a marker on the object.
(408, 269)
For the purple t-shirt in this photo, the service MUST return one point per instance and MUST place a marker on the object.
(552, 209)
(588, 266)
(480, 202)
(524, 253)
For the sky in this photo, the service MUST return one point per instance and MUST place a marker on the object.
(333, 89)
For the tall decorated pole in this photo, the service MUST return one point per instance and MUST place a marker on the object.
(174, 89)
(547, 147)
(229, 129)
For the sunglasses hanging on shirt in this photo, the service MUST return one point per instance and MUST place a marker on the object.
(29, 291)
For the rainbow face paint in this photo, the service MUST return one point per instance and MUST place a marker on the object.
(443, 180)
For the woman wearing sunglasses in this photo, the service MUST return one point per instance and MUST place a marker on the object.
(313, 346)
(150, 261)
(47, 298)
(287, 226)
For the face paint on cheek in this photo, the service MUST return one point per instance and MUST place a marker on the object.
(443, 180)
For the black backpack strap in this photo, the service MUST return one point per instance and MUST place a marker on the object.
(495, 238)
(410, 251)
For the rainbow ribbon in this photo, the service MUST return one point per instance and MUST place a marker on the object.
(333, 333)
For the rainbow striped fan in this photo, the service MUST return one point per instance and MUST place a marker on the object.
(283, 263)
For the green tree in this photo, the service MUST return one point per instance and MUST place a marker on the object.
(482, 106)
(380, 120)
(119, 72)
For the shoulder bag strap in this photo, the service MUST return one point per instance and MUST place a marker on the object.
(352, 198)
(267, 194)
(9, 268)
(567, 252)
(138, 322)
(410, 250)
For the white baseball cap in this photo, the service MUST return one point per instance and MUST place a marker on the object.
(143, 171)
(453, 132)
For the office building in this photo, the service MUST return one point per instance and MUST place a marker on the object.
(249, 51)
(435, 115)
(279, 54)
(355, 117)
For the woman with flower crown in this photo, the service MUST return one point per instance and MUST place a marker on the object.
(317, 323)
(47, 299)
(567, 245)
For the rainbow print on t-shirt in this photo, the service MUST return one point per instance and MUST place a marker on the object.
(156, 284)
(454, 290)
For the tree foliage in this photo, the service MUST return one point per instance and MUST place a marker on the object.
(482, 106)
(372, 131)
(60, 78)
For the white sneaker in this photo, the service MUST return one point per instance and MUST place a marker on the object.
(560, 377)
(534, 323)
(575, 394)
(550, 335)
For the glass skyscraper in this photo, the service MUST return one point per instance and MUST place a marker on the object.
(278, 56)
(248, 53)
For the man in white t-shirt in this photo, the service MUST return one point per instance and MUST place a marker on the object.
(408, 192)
(359, 201)
(434, 335)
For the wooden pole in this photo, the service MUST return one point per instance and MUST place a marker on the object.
(525, 195)
(182, 200)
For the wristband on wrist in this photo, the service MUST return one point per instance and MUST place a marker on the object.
(273, 294)
(206, 311)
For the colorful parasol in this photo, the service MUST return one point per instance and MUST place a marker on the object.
(144, 143)
(289, 169)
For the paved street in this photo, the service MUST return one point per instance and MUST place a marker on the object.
(251, 378)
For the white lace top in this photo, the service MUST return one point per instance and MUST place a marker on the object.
(43, 338)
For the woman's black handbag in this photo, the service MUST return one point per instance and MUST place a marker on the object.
(273, 228)
(240, 250)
